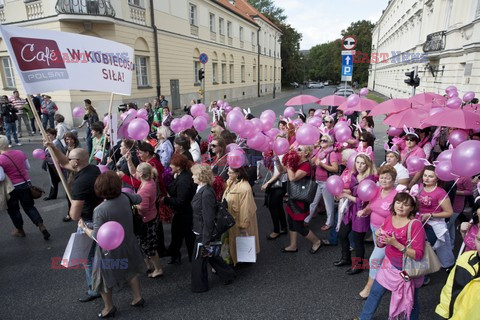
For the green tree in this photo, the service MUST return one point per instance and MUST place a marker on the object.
(270, 10)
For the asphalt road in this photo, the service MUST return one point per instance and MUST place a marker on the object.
(278, 286)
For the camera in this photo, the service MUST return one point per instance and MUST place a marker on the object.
(405, 276)
(122, 107)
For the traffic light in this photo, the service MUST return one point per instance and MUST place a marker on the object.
(201, 74)
(412, 79)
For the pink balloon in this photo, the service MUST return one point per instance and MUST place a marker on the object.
(248, 130)
(289, 112)
(123, 132)
(103, 168)
(457, 136)
(236, 159)
(233, 146)
(132, 112)
(238, 109)
(257, 141)
(348, 112)
(467, 97)
(315, 121)
(363, 92)
(297, 122)
(267, 123)
(206, 116)
(307, 134)
(318, 113)
(176, 125)
(236, 124)
(454, 103)
(353, 100)
(340, 124)
(228, 109)
(200, 123)
(443, 170)
(198, 109)
(394, 132)
(127, 190)
(234, 116)
(415, 164)
(334, 185)
(39, 154)
(280, 146)
(465, 159)
(342, 134)
(269, 114)
(78, 112)
(220, 103)
(450, 88)
(452, 94)
(138, 129)
(257, 124)
(445, 155)
(366, 190)
(435, 111)
(142, 113)
(351, 160)
(187, 121)
(272, 133)
(110, 235)
(127, 117)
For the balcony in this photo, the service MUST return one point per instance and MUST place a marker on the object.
(78, 9)
(138, 15)
(34, 9)
(435, 41)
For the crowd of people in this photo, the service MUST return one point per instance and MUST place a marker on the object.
(178, 179)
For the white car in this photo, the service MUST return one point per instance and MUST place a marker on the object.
(315, 85)
(294, 84)
(343, 92)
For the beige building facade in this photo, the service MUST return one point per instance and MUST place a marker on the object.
(440, 37)
(168, 36)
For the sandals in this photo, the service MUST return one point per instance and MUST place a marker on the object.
(313, 251)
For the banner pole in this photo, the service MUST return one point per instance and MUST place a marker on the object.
(45, 138)
(109, 129)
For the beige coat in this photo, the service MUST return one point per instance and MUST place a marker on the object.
(6, 187)
(242, 207)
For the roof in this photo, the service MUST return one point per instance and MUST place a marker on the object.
(246, 11)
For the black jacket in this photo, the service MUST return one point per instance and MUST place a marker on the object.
(9, 112)
(181, 191)
(204, 211)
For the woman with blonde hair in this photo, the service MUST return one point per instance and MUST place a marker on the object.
(147, 209)
(164, 147)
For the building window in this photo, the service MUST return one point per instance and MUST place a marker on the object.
(1, 4)
(224, 70)
(196, 68)
(9, 78)
(221, 26)
(138, 3)
(266, 74)
(193, 15)
(260, 77)
(212, 22)
(229, 29)
(214, 72)
(271, 73)
(240, 31)
(242, 73)
(232, 75)
(142, 71)
(254, 73)
(253, 37)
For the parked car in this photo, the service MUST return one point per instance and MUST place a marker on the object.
(344, 92)
(294, 84)
(342, 86)
(315, 85)
(326, 83)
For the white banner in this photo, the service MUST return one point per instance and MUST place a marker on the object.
(51, 60)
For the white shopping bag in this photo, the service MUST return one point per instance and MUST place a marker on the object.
(77, 250)
(246, 249)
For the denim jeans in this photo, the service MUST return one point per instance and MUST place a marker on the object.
(89, 140)
(376, 258)
(21, 195)
(48, 119)
(89, 270)
(328, 199)
(11, 129)
(374, 298)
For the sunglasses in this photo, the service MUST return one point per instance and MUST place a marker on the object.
(213, 145)
(212, 131)
(299, 149)
(409, 139)
(324, 141)
(362, 140)
(73, 159)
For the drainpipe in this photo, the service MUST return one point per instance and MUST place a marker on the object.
(155, 41)
(258, 62)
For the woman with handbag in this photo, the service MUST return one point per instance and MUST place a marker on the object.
(393, 235)
(242, 207)
(353, 222)
(298, 210)
(147, 210)
(204, 212)
(15, 165)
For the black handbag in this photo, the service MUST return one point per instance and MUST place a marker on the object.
(223, 220)
(139, 228)
(303, 189)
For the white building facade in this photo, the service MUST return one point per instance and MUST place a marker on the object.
(168, 36)
(440, 37)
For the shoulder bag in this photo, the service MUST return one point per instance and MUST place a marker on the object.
(139, 228)
(303, 189)
(429, 263)
(223, 220)
(34, 190)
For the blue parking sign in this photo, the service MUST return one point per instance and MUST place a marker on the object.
(347, 71)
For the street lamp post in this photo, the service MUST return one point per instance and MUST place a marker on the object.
(274, 65)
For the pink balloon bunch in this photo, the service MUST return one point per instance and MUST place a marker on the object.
(110, 235)
(443, 170)
(451, 92)
(281, 146)
(454, 103)
(236, 158)
(394, 132)
(343, 133)
(307, 134)
(415, 164)
(78, 112)
(176, 125)
(363, 92)
(465, 159)
(235, 121)
(445, 155)
(334, 185)
(268, 119)
(138, 129)
(289, 112)
(39, 154)
(457, 136)
(366, 190)
(198, 109)
(142, 114)
(353, 100)
(315, 121)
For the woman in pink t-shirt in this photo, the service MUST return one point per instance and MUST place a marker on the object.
(15, 165)
(379, 210)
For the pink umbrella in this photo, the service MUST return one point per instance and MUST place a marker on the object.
(363, 105)
(301, 100)
(472, 107)
(332, 100)
(428, 97)
(454, 118)
(391, 106)
(411, 117)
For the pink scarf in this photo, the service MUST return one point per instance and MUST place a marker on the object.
(401, 302)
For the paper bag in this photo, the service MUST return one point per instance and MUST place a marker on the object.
(246, 249)
(77, 250)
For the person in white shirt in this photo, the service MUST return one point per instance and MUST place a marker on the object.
(190, 134)
(393, 159)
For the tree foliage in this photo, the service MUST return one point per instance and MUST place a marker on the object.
(292, 68)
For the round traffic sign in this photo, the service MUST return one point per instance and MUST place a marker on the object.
(203, 58)
(349, 42)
